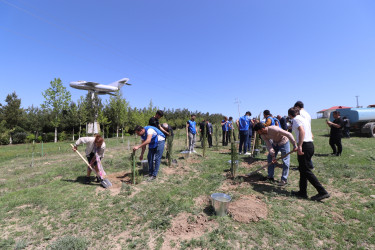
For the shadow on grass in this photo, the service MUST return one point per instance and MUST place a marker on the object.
(82, 180)
(209, 210)
(255, 181)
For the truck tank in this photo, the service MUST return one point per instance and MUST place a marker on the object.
(361, 119)
(356, 114)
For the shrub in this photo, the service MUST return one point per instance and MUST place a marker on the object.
(19, 137)
(69, 242)
(39, 139)
(62, 136)
(49, 137)
(4, 138)
(30, 138)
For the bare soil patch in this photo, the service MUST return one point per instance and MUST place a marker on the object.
(117, 179)
(186, 227)
(248, 209)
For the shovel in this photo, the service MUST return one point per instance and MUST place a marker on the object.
(269, 164)
(104, 182)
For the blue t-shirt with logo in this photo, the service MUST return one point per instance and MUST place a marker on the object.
(244, 122)
(192, 127)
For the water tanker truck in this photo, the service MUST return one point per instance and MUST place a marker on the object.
(361, 119)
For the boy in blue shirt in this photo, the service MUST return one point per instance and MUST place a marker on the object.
(191, 132)
(243, 125)
(155, 139)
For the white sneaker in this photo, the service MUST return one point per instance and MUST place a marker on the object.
(240, 153)
(194, 151)
(247, 153)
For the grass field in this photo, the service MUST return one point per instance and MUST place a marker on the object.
(44, 203)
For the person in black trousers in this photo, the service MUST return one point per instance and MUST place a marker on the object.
(305, 150)
(209, 131)
(336, 133)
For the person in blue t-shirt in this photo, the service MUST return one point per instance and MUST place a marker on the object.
(191, 132)
(225, 128)
(155, 139)
(243, 125)
(248, 144)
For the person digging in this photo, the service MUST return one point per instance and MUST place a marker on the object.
(95, 147)
(155, 139)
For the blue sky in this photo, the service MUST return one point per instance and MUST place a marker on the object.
(194, 54)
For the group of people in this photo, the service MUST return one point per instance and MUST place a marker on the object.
(275, 131)
(278, 139)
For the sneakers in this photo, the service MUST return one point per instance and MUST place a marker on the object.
(151, 178)
(247, 153)
(282, 183)
(266, 178)
(240, 153)
(87, 180)
(320, 197)
(194, 151)
(98, 180)
(298, 194)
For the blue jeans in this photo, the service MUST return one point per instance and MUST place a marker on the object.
(248, 145)
(154, 158)
(284, 149)
(244, 136)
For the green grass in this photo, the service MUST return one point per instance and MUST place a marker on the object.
(47, 206)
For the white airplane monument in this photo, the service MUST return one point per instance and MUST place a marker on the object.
(100, 89)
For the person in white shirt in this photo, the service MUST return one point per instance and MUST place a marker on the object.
(305, 150)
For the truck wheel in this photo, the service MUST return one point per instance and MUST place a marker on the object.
(372, 130)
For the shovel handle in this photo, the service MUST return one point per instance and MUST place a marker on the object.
(269, 164)
(83, 158)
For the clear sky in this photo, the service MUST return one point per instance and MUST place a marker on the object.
(196, 54)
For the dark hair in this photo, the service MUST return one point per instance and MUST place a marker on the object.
(160, 113)
(293, 111)
(230, 117)
(336, 112)
(259, 126)
(299, 104)
(138, 128)
(99, 139)
(248, 113)
(192, 115)
(266, 112)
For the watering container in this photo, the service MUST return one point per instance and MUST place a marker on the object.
(144, 166)
(220, 203)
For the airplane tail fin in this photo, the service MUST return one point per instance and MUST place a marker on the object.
(120, 83)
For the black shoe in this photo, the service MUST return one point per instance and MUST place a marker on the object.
(320, 197)
(333, 153)
(282, 183)
(98, 180)
(266, 178)
(338, 154)
(87, 180)
(298, 194)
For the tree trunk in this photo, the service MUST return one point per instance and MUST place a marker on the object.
(73, 133)
(55, 134)
(117, 131)
(79, 133)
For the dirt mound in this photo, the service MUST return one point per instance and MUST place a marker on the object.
(117, 179)
(202, 201)
(248, 209)
(187, 226)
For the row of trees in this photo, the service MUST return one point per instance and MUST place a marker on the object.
(60, 118)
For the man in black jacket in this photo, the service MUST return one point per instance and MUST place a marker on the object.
(336, 133)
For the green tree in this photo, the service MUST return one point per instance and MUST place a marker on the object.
(12, 112)
(117, 111)
(72, 118)
(57, 99)
(82, 113)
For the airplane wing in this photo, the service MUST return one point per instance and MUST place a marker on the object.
(91, 83)
(105, 93)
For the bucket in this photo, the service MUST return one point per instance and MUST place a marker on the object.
(220, 203)
(144, 166)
